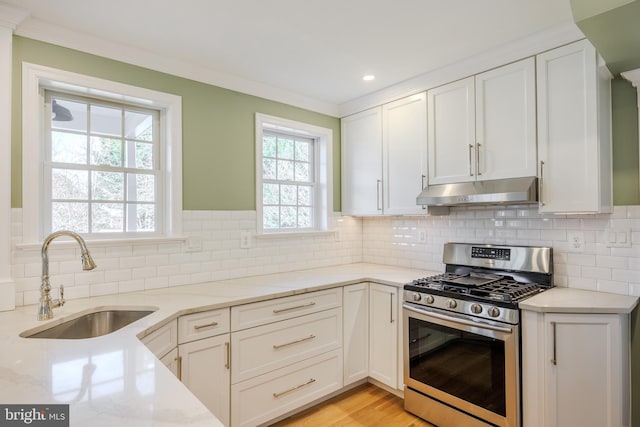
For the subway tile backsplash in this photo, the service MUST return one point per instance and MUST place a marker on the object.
(217, 255)
(214, 252)
(588, 263)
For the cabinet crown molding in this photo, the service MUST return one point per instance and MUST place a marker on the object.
(11, 17)
(633, 76)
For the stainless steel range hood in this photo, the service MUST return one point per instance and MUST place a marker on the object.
(499, 191)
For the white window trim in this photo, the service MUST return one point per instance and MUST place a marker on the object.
(34, 78)
(323, 169)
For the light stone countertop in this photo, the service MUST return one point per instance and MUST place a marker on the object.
(114, 379)
(567, 300)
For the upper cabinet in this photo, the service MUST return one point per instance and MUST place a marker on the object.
(362, 163)
(574, 130)
(384, 158)
(483, 127)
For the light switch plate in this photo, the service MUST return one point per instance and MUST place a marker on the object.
(617, 238)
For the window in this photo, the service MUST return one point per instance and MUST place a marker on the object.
(99, 157)
(293, 176)
(101, 168)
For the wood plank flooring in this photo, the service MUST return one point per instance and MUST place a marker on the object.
(363, 406)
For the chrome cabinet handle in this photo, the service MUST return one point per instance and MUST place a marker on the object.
(279, 346)
(424, 207)
(282, 393)
(378, 198)
(227, 349)
(554, 359)
(541, 184)
(391, 319)
(470, 162)
(478, 159)
(207, 325)
(179, 360)
(282, 310)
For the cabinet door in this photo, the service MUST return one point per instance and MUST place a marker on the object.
(587, 370)
(404, 155)
(356, 332)
(383, 334)
(451, 132)
(170, 360)
(362, 163)
(205, 371)
(506, 122)
(573, 131)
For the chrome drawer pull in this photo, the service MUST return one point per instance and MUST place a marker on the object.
(282, 393)
(554, 359)
(282, 310)
(227, 362)
(208, 325)
(279, 346)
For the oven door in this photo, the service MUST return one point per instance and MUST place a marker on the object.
(468, 364)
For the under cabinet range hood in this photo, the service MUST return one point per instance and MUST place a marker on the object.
(498, 191)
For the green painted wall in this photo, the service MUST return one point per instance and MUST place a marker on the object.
(218, 126)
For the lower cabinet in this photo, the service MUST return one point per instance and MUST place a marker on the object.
(384, 335)
(575, 369)
(204, 369)
(268, 396)
(355, 342)
(171, 361)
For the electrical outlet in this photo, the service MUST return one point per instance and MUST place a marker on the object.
(337, 236)
(576, 241)
(422, 235)
(193, 244)
(245, 240)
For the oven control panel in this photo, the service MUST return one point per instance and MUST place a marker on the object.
(501, 254)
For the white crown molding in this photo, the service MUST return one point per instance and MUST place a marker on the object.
(514, 51)
(11, 17)
(633, 76)
(49, 33)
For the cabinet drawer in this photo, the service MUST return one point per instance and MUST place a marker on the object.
(206, 324)
(163, 340)
(260, 313)
(268, 396)
(265, 348)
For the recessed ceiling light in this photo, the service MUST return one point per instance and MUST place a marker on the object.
(368, 77)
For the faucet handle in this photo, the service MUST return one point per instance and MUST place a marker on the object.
(61, 295)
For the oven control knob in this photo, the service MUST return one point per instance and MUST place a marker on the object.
(429, 299)
(476, 308)
(452, 303)
(494, 312)
(416, 297)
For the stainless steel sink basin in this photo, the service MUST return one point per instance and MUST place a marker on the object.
(89, 325)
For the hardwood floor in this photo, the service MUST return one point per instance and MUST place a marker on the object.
(364, 406)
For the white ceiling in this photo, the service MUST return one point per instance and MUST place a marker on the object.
(313, 49)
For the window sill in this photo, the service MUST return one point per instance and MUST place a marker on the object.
(294, 234)
(106, 242)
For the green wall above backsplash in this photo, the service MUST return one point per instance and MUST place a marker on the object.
(218, 135)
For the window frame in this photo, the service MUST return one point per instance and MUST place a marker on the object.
(35, 80)
(322, 169)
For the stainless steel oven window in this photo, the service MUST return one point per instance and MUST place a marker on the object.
(464, 363)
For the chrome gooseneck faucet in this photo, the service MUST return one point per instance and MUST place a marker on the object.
(45, 311)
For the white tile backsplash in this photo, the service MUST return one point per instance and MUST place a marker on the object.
(133, 267)
(414, 242)
(594, 266)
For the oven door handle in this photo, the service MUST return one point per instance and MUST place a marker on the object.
(455, 319)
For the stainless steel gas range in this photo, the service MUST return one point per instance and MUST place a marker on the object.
(462, 334)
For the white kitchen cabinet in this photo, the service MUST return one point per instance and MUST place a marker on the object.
(383, 334)
(384, 158)
(356, 332)
(574, 130)
(404, 155)
(362, 163)
(204, 358)
(575, 369)
(171, 361)
(205, 371)
(483, 127)
(506, 122)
